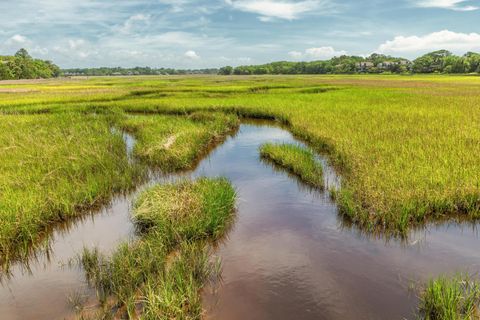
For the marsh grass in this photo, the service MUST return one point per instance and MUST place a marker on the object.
(159, 276)
(451, 298)
(52, 168)
(406, 147)
(173, 143)
(296, 160)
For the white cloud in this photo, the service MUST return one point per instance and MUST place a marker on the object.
(133, 21)
(177, 5)
(190, 54)
(458, 5)
(239, 60)
(76, 48)
(324, 52)
(75, 44)
(295, 54)
(39, 50)
(244, 60)
(317, 53)
(18, 38)
(271, 9)
(18, 41)
(445, 39)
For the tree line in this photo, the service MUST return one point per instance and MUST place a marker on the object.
(23, 66)
(441, 61)
(119, 71)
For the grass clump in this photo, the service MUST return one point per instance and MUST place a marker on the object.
(456, 298)
(295, 159)
(174, 143)
(51, 168)
(159, 276)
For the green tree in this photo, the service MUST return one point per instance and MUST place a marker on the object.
(23, 66)
(5, 72)
(228, 70)
(23, 53)
(473, 59)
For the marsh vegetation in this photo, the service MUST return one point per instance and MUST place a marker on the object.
(173, 143)
(456, 298)
(53, 167)
(405, 148)
(297, 160)
(159, 276)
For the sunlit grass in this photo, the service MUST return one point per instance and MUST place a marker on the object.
(451, 298)
(405, 146)
(172, 143)
(295, 159)
(165, 269)
(52, 167)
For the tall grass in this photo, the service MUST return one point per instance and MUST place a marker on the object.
(159, 276)
(173, 143)
(295, 159)
(455, 298)
(405, 146)
(51, 168)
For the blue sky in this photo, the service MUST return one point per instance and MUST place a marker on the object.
(199, 33)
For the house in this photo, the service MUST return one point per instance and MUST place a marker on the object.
(389, 64)
(364, 65)
(386, 64)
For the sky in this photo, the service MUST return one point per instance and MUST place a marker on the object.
(214, 33)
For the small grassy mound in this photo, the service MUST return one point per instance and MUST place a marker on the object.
(174, 143)
(451, 298)
(160, 275)
(295, 159)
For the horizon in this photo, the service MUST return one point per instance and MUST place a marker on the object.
(366, 58)
(189, 34)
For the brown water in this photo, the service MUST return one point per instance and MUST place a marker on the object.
(288, 256)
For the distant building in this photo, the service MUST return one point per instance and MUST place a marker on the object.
(364, 65)
(389, 64)
(386, 64)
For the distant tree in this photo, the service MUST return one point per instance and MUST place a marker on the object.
(23, 66)
(54, 68)
(228, 70)
(23, 53)
(5, 72)
(455, 64)
(473, 59)
(439, 54)
(424, 64)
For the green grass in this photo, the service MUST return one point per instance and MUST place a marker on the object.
(172, 143)
(51, 168)
(454, 298)
(160, 275)
(295, 159)
(405, 146)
